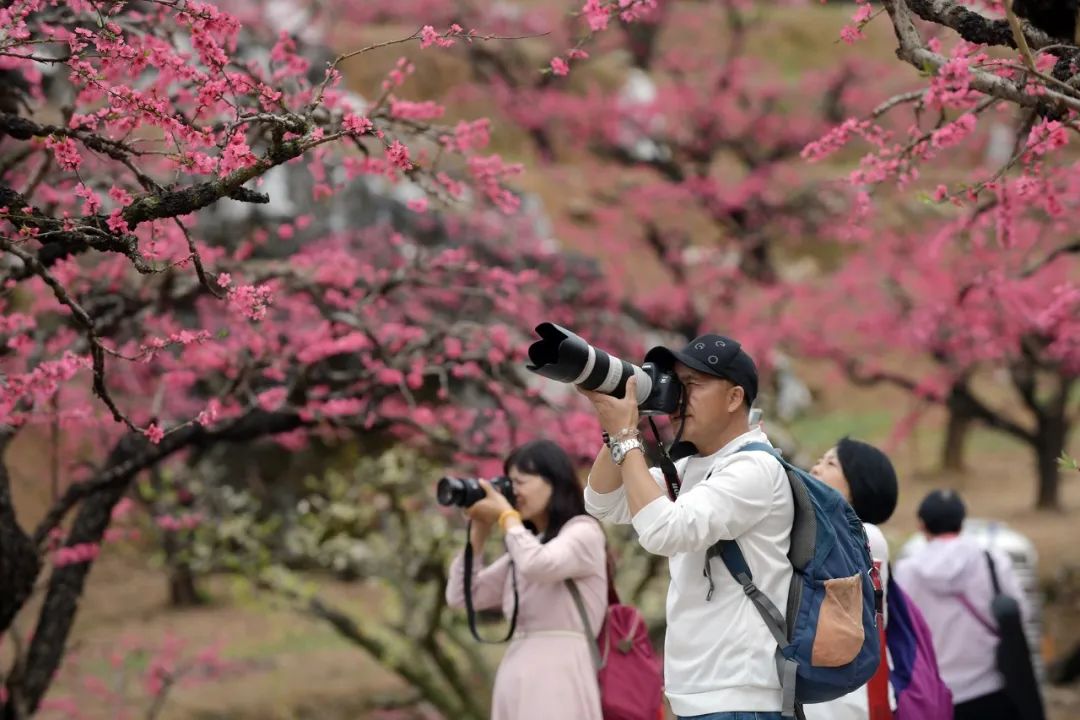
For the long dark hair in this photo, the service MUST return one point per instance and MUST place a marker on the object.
(550, 462)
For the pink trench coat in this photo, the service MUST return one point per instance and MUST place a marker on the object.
(547, 671)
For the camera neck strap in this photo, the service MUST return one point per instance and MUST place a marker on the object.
(470, 611)
(667, 464)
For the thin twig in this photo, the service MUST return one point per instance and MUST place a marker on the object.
(1018, 35)
(196, 259)
(897, 100)
(97, 350)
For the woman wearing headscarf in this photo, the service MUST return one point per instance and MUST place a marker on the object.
(865, 476)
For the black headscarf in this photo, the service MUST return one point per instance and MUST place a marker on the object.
(871, 480)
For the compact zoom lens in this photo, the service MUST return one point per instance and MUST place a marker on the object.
(561, 355)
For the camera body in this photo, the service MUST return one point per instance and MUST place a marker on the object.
(666, 392)
(465, 492)
(561, 355)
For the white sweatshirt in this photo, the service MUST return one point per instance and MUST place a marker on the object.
(719, 656)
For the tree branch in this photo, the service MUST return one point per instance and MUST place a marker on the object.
(913, 50)
(978, 28)
(59, 241)
(255, 424)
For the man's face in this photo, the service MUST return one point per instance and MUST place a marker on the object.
(710, 403)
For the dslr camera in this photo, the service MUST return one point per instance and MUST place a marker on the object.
(561, 355)
(464, 492)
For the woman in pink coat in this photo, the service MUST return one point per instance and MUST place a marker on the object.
(547, 671)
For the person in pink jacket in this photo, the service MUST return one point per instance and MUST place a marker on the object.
(949, 579)
(547, 671)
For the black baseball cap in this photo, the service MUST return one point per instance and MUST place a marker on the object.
(714, 355)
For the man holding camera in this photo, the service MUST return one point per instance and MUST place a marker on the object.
(719, 656)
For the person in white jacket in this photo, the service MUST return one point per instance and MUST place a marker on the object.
(719, 657)
(865, 476)
(949, 579)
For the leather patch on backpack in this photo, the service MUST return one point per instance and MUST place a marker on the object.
(839, 635)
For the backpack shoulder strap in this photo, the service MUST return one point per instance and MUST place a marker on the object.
(763, 447)
(594, 650)
(786, 669)
(730, 552)
(993, 572)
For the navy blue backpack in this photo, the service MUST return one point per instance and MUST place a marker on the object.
(828, 643)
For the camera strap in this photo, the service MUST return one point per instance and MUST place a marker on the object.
(667, 464)
(469, 610)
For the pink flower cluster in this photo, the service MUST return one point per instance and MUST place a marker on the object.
(66, 152)
(598, 12)
(1046, 136)
(251, 301)
(429, 36)
(841, 135)
(489, 173)
(72, 554)
(408, 110)
(469, 136)
(176, 523)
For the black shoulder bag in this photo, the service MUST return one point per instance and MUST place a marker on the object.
(1013, 655)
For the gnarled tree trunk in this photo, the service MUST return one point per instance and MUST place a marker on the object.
(19, 563)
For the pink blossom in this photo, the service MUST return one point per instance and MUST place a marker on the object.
(66, 152)
(236, 155)
(116, 222)
(176, 523)
(398, 155)
(272, 399)
(389, 376)
(92, 202)
(424, 417)
(428, 36)
(210, 415)
(407, 110)
(154, 433)
(953, 133)
(1046, 136)
(122, 509)
(559, 66)
(250, 300)
(120, 195)
(597, 14)
(356, 124)
(74, 554)
(851, 34)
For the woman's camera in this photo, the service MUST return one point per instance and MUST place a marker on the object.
(463, 492)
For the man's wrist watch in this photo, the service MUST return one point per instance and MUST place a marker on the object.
(620, 449)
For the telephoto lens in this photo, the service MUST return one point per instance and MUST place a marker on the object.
(563, 356)
(464, 492)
